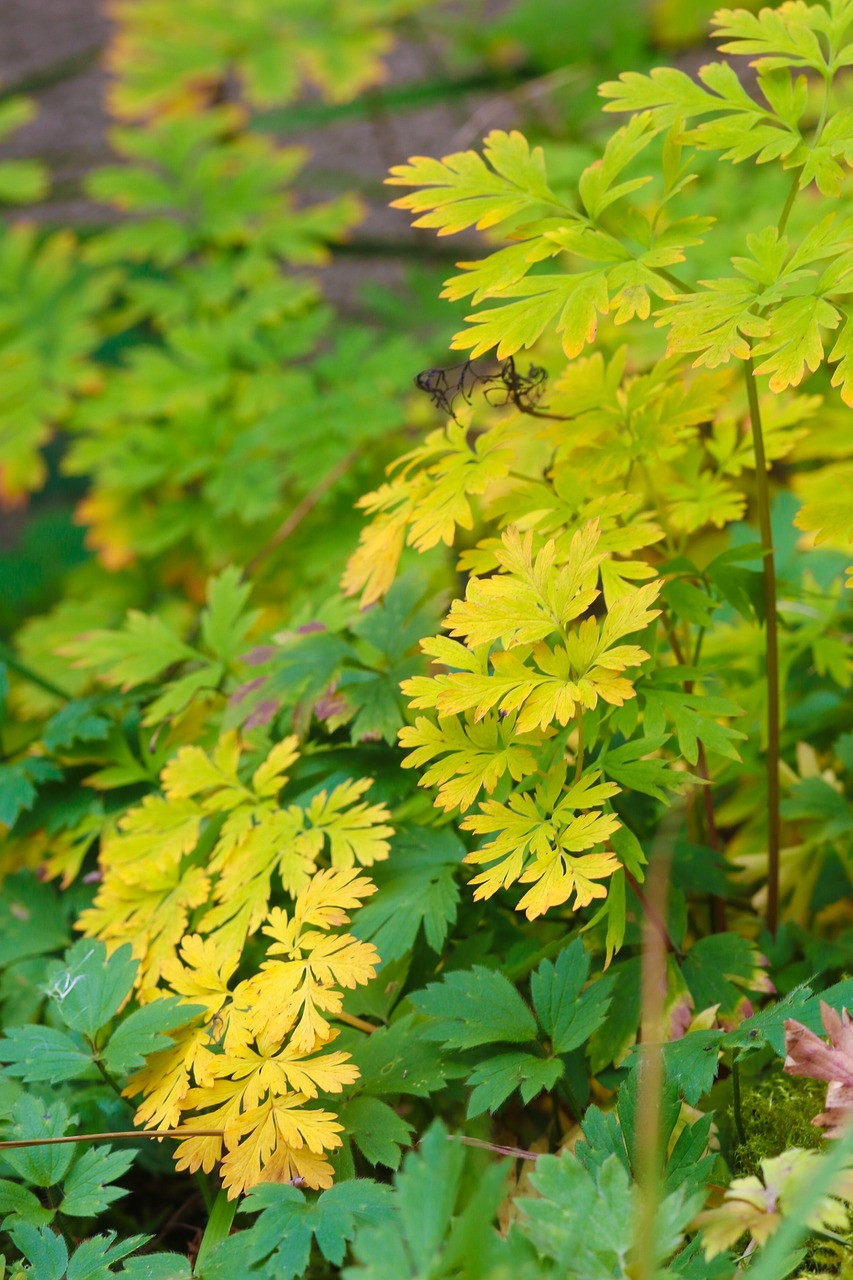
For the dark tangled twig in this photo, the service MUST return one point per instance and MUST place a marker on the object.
(502, 386)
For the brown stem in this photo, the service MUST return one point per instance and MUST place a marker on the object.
(119, 1135)
(303, 509)
(518, 1153)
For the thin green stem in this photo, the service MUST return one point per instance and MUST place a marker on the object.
(772, 640)
(108, 1078)
(795, 183)
(789, 203)
(736, 1099)
(14, 664)
(218, 1227)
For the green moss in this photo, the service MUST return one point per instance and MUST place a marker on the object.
(777, 1115)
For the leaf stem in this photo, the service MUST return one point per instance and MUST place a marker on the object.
(736, 1099)
(115, 1136)
(789, 203)
(580, 748)
(359, 1023)
(772, 639)
(26, 673)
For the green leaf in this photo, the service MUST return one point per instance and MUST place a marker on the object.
(399, 1059)
(377, 1131)
(78, 721)
(158, 1266)
(768, 1026)
(567, 1017)
(143, 1032)
(42, 1166)
(582, 1220)
(94, 1259)
(691, 1063)
(496, 1078)
(85, 1190)
(34, 1053)
(19, 1203)
(88, 988)
(474, 1007)
(628, 766)
(417, 887)
(143, 650)
(694, 716)
(718, 968)
(460, 191)
(32, 921)
(439, 1230)
(225, 626)
(18, 786)
(44, 1250)
(289, 1220)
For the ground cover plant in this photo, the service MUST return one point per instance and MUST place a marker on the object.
(426, 796)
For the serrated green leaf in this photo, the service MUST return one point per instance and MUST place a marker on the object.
(630, 767)
(399, 1059)
(78, 721)
(19, 786)
(94, 1258)
(86, 1190)
(34, 1053)
(495, 1079)
(225, 624)
(437, 1230)
(19, 1203)
(44, 1250)
(377, 1130)
(144, 1032)
(418, 887)
(567, 1017)
(279, 1242)
(691, 1063)
(475, 1007)
(42, 1166)
(88, 988)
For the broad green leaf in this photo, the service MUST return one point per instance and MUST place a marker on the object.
(417, 887)
(438, 1230)
(567, 1017)
(720, 968)
(42, 1166)
(86, 1191)
(35, 1053)
(159, 1266)
(400, 1059)
(44, 1250)
(496, 1078)
(691, 1063)
(377, 1130)
(18, 1203)
(144, 1032)
(474, 1007)
(19, 786)
(279, 1242)
(32, 921)
(88, 987)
